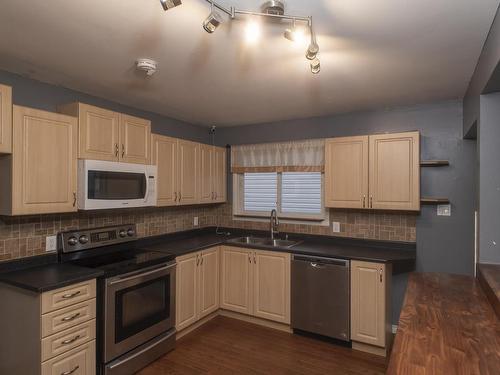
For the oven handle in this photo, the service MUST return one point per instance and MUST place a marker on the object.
(152, 272)
(146, 175)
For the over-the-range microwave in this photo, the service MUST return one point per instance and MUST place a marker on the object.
(109, 184)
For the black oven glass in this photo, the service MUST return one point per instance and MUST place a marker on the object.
(116, 185)
(141, 306)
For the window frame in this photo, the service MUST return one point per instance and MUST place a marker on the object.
(239, 212)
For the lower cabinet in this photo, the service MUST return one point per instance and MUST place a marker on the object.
(197, 286)
(51, 333)
(371, 306)
(256, 282)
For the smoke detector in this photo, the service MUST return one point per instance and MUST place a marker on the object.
(147, 65)
(276, 7)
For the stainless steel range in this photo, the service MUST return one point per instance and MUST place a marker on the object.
(136, 295)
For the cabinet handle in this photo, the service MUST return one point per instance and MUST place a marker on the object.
(71, 371)
(70, 341)
(175, 197)
(71, 295)
(180, 196)
(123, 150)
(249, 259)
(254, 261)
(197, 260)
(371, 201)
(74, 199)
(201, 257)
(70, 318)
(116, 149)
(380, 274)
(364, 200)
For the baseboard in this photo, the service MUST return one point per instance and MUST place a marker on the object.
(252, 319)
(369, 349)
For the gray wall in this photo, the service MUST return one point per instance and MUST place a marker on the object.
(489, 179)
(31, 93)
(488, 62)
(444, 244)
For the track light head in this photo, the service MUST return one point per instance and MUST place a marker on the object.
(315, 66)
(212, 22)
(312, 50)
(168, 4)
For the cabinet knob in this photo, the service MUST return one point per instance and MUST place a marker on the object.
(74, 199)
(116, 150)
(123, 150)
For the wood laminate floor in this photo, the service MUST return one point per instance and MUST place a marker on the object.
(229, 346)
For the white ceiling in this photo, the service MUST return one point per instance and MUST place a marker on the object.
(375, 53)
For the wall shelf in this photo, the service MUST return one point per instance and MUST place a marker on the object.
(434, 163)
(429, 200)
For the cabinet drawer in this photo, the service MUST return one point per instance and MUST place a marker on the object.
(63, 297)
(79, 361)
(59, 320)
(68, 339)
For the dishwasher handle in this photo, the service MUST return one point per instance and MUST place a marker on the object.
(321, 262)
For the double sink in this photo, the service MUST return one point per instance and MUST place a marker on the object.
(260, 241)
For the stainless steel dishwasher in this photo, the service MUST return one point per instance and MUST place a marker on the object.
(321, 296)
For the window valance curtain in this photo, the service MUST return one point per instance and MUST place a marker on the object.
(294, 156)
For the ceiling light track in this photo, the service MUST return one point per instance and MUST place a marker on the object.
(273, 9)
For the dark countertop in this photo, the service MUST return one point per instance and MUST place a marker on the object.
(43, 273)
(446, 326)
(48, 277)
(345, 248)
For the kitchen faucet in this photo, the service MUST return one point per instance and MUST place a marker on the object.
(274, 223)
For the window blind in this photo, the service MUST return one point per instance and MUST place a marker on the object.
(301, 192)
(260, 191)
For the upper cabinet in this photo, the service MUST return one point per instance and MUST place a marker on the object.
(188, 172)
(40, 175)
(373, 172)
(111, 136)
(212, 174)
(164, 156)
(5, 119)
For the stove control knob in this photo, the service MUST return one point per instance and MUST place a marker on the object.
(83, 239)
(72, 241)
(130, 232)
(123, 233)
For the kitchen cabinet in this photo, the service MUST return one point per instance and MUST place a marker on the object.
(197, 286)
(212, 174)
(5, 119)
(395, 171)
(177, 162)
(111, 136)
(373, 172)
(371, 305)
(256, 282)
(40, 175)
(55, 331)
(346, 172)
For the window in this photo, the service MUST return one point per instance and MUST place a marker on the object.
(295, 195)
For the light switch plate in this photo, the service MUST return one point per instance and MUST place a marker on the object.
(336, 227)
(195, 221)
(51, 243)
(444, 210)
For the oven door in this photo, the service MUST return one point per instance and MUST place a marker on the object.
(138, 307)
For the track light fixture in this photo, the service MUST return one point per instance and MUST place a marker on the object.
(168, 4)
(213, 20)
(274, 9)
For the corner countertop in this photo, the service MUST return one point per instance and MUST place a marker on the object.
(446, 326)
(47, 277)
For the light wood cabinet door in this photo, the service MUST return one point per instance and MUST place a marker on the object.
(209, 282)
(5, 119)
(186, 297)
(346, 172)
(135, 138)
(369, 315)
(219, 174)
(236, 280)
(188, 172)
(206, 174)
(164, 156)
(44, 162)
(98, 131)
(271, 286)
(395, 171)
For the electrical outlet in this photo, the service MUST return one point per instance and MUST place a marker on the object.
(51, 243)
(444, 210)
(195, 221)
(336, 227)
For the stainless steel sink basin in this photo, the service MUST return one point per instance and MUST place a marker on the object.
(264, 241)
(249, 240)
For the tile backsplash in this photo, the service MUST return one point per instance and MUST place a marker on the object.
(25, 236)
